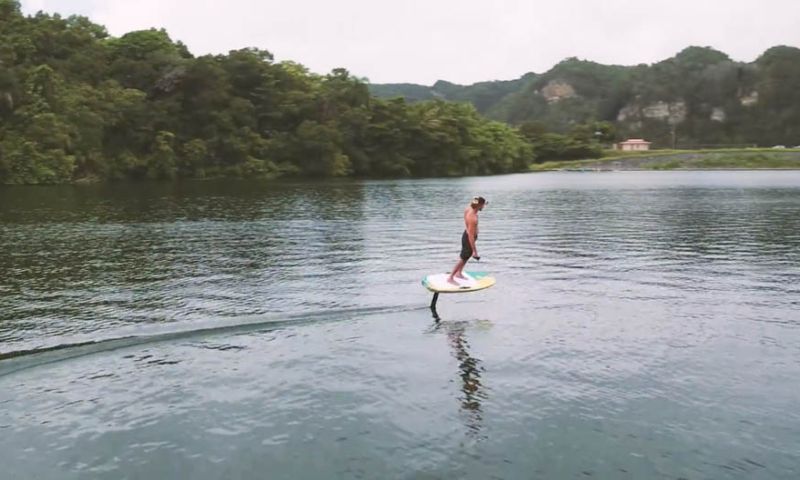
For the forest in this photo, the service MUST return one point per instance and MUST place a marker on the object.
(80, 105)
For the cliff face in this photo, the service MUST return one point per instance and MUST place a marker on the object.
(698, 97)
(670, 112)
(557, 90)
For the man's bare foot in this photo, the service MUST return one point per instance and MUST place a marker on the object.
(451, 281)
(462, 277)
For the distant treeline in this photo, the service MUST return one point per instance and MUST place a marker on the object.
(77, 104)
(698, 97)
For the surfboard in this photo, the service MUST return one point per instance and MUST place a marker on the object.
(475, 281)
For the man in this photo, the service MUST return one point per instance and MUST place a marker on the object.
(468, 238)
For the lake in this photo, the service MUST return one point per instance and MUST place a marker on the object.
(644, 325)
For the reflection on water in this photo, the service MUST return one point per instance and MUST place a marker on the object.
(470, 371)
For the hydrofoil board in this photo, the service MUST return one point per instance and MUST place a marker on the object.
(474, 281)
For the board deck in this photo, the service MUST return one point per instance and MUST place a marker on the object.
(475, 281)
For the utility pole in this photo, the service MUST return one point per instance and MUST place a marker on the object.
(674, 137)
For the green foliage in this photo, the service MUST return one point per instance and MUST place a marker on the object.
(750, 158)
(596, 96)
(161, 163)
(409, 91)
(27, 162)
(710, 99)
(583, 141)
(79, 105)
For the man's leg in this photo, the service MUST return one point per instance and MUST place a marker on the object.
(462, 264)
(466, 254)
(457, 271)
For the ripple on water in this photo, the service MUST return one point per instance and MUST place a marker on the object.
(643, 326)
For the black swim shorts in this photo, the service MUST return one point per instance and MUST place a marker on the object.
(466, 249)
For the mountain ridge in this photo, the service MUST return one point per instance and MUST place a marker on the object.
(700, 96)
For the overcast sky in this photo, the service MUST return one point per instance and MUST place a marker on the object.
(462, 41)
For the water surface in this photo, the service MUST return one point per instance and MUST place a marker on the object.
(643, 325)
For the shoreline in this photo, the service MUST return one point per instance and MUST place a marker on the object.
(296, 180)
(709, 160)
(680, 169)
(749, 159)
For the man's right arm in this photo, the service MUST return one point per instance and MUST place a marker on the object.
(472, 227)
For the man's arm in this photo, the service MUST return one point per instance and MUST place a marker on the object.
(472, 228)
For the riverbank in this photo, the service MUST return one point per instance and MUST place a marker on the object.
(734, 159)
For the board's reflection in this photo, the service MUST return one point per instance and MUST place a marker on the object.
(470, 372)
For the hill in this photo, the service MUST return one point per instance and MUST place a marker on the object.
(80, 105)
(699, 97)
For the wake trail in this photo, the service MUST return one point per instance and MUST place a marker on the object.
(14, 361)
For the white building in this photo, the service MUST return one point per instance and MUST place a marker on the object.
(634, 144)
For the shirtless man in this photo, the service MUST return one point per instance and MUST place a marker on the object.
(468, 238)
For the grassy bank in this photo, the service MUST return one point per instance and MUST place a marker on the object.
(750, 158)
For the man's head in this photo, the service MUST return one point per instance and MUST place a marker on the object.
(478, 203)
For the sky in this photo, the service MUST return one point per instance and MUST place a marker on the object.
(461, 41)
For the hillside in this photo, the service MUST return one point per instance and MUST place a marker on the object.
(699, 97)
(80, 105)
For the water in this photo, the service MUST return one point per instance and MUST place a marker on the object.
(643, 325)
